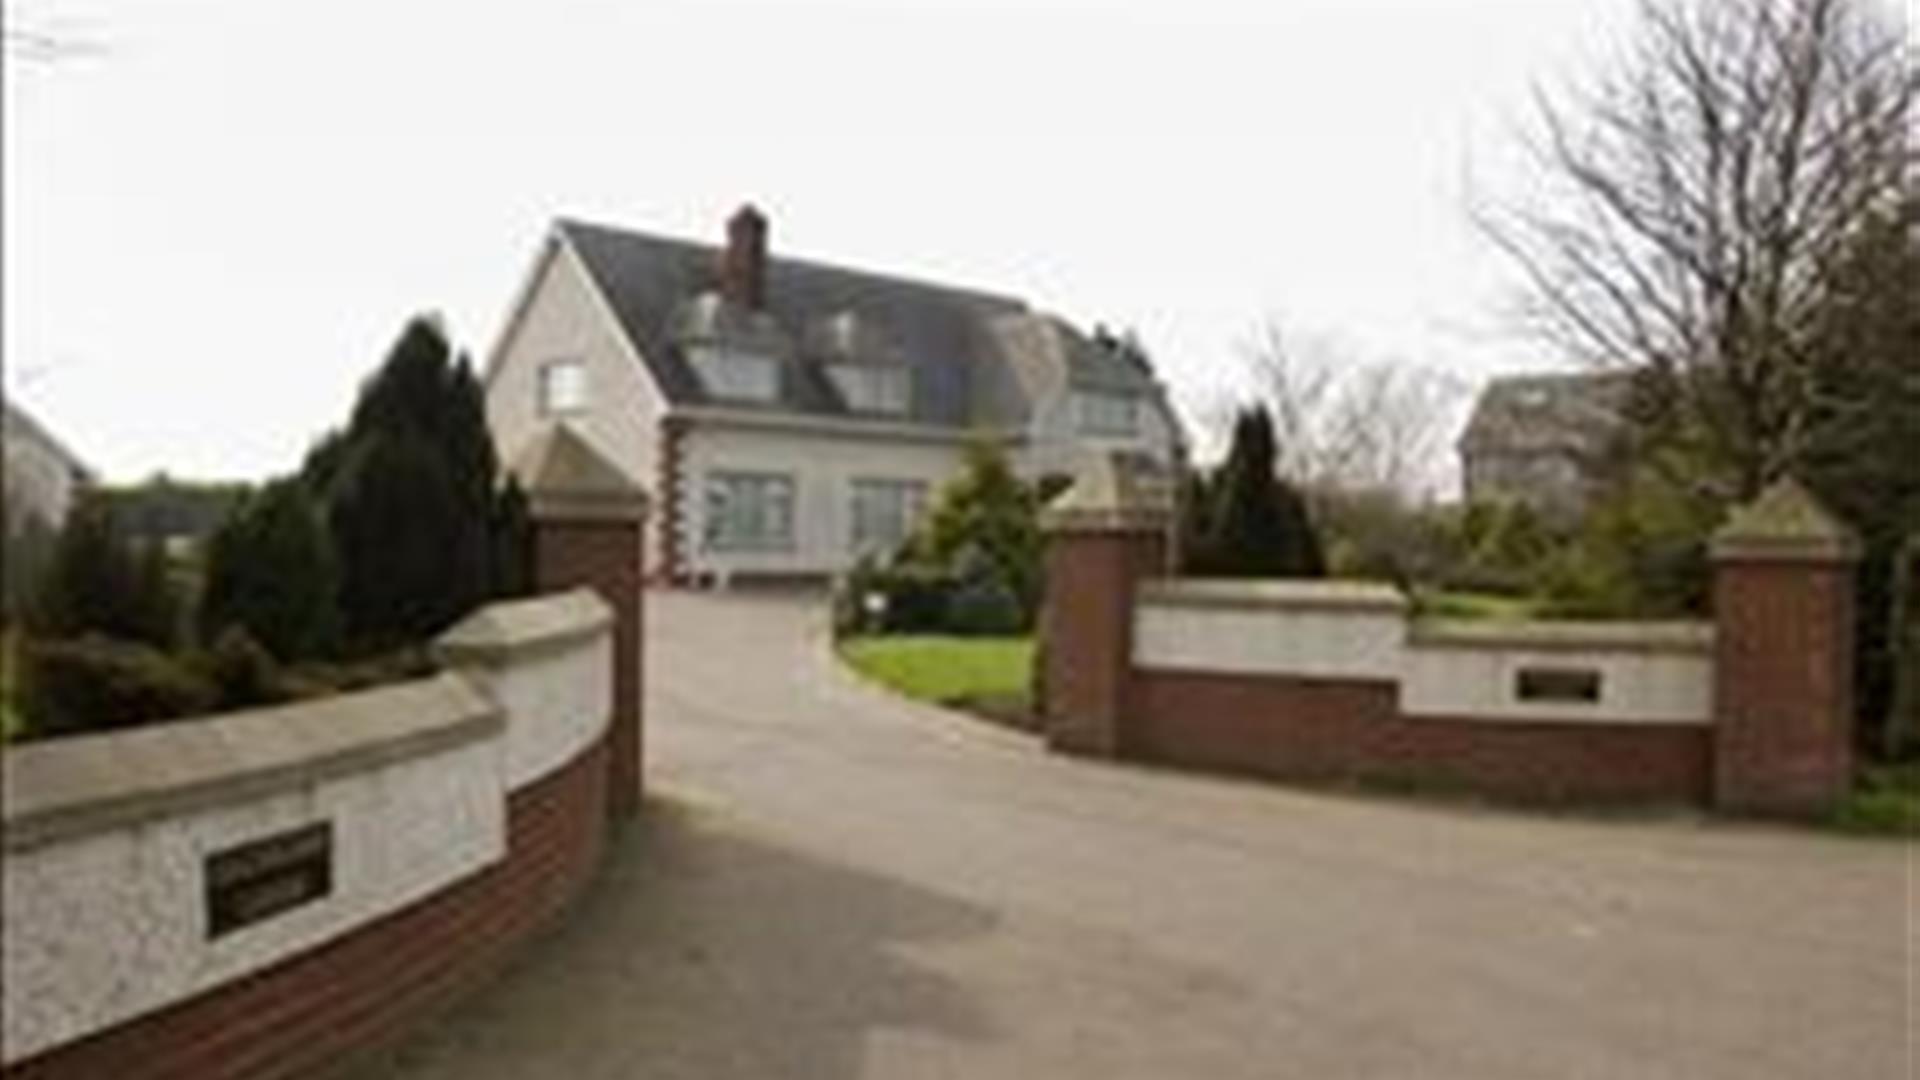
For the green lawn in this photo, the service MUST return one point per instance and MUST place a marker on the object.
(994, 673)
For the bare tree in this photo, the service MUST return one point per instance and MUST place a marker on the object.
(1695, 209)
(1352, 424)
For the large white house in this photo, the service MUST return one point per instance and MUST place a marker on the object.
(788, 415)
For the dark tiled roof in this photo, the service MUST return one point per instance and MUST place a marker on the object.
(945, 334)
(1546, 413)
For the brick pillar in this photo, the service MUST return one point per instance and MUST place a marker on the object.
(1103, 536)
(589, 524)
(1783, 656)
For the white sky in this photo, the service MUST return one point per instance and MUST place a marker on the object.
(214, 228)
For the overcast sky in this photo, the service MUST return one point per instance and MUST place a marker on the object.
(215, 225)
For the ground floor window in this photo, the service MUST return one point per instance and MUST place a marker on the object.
(749, 511)
(884, 512)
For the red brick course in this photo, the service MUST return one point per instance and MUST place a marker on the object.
(1783, 683)
(303, 1015)
(1327, 730)
(1087, 625)
(605, 555)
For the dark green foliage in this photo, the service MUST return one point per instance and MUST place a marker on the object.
(984, 605)
(1500, 547)
(164, 508)
(411, 498)
(1378, 535)
(511, 533)
(985, 525)
(272, 569)
(1255, 524)
(96, 683)
(28, 551)
(98, 582)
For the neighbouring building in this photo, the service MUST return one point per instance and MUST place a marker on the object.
(1541, 439)
(42, 476)
(792, 416)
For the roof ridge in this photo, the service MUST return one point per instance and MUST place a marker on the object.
(774, 258)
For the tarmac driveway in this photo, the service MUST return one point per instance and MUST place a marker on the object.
(832, 883)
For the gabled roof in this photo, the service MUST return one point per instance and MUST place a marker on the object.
(948, 336)
(18, 423)
(1558, 413)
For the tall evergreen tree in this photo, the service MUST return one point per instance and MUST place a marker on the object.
(409, 492)
(98, 582)
(1259, 524)
(271, 569)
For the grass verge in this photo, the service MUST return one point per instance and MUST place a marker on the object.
(1886, 802)
(992, 676)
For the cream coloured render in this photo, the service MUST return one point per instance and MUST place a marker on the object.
(562, 315)
(823, 466)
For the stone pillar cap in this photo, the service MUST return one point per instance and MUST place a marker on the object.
(1786, 523)
(565, 477)
(1117, 491)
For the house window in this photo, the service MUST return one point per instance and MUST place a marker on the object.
(563, 387)
(749, 512)
(884, 512)
(1105, 413)
(739, 376)
(872, 388)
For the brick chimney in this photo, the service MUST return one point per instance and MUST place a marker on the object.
(743, 265)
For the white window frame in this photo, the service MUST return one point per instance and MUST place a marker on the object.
(912, 503)
(733, 375)
(776, 514)
(873, 388)
(1107, 412)
(550, 388)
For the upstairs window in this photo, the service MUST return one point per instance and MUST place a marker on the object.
(735, 375)
(563, 387)
(1106, 413)
(871, 388)
(884, 512)
(749, 511)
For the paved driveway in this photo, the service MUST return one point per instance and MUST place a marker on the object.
(831, 883)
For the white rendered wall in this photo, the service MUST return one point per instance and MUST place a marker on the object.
(1309, 642)
(558, 701)
(108, 923)
(1636, 685)
(1654, 673)
(564, 318)
(106, 927)
(823, 467)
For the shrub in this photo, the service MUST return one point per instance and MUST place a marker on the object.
(1254, 524)
(984, 606)
(95, 683)
(271, 569)
(98, 582)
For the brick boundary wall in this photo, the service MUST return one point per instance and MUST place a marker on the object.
(365, 988)
(1338, 730)
(1776, 738)
(605, 556)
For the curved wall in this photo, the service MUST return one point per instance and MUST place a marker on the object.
(464, 812)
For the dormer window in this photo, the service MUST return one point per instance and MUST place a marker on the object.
(734, 374)
(1105, 412)
(872, 388)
